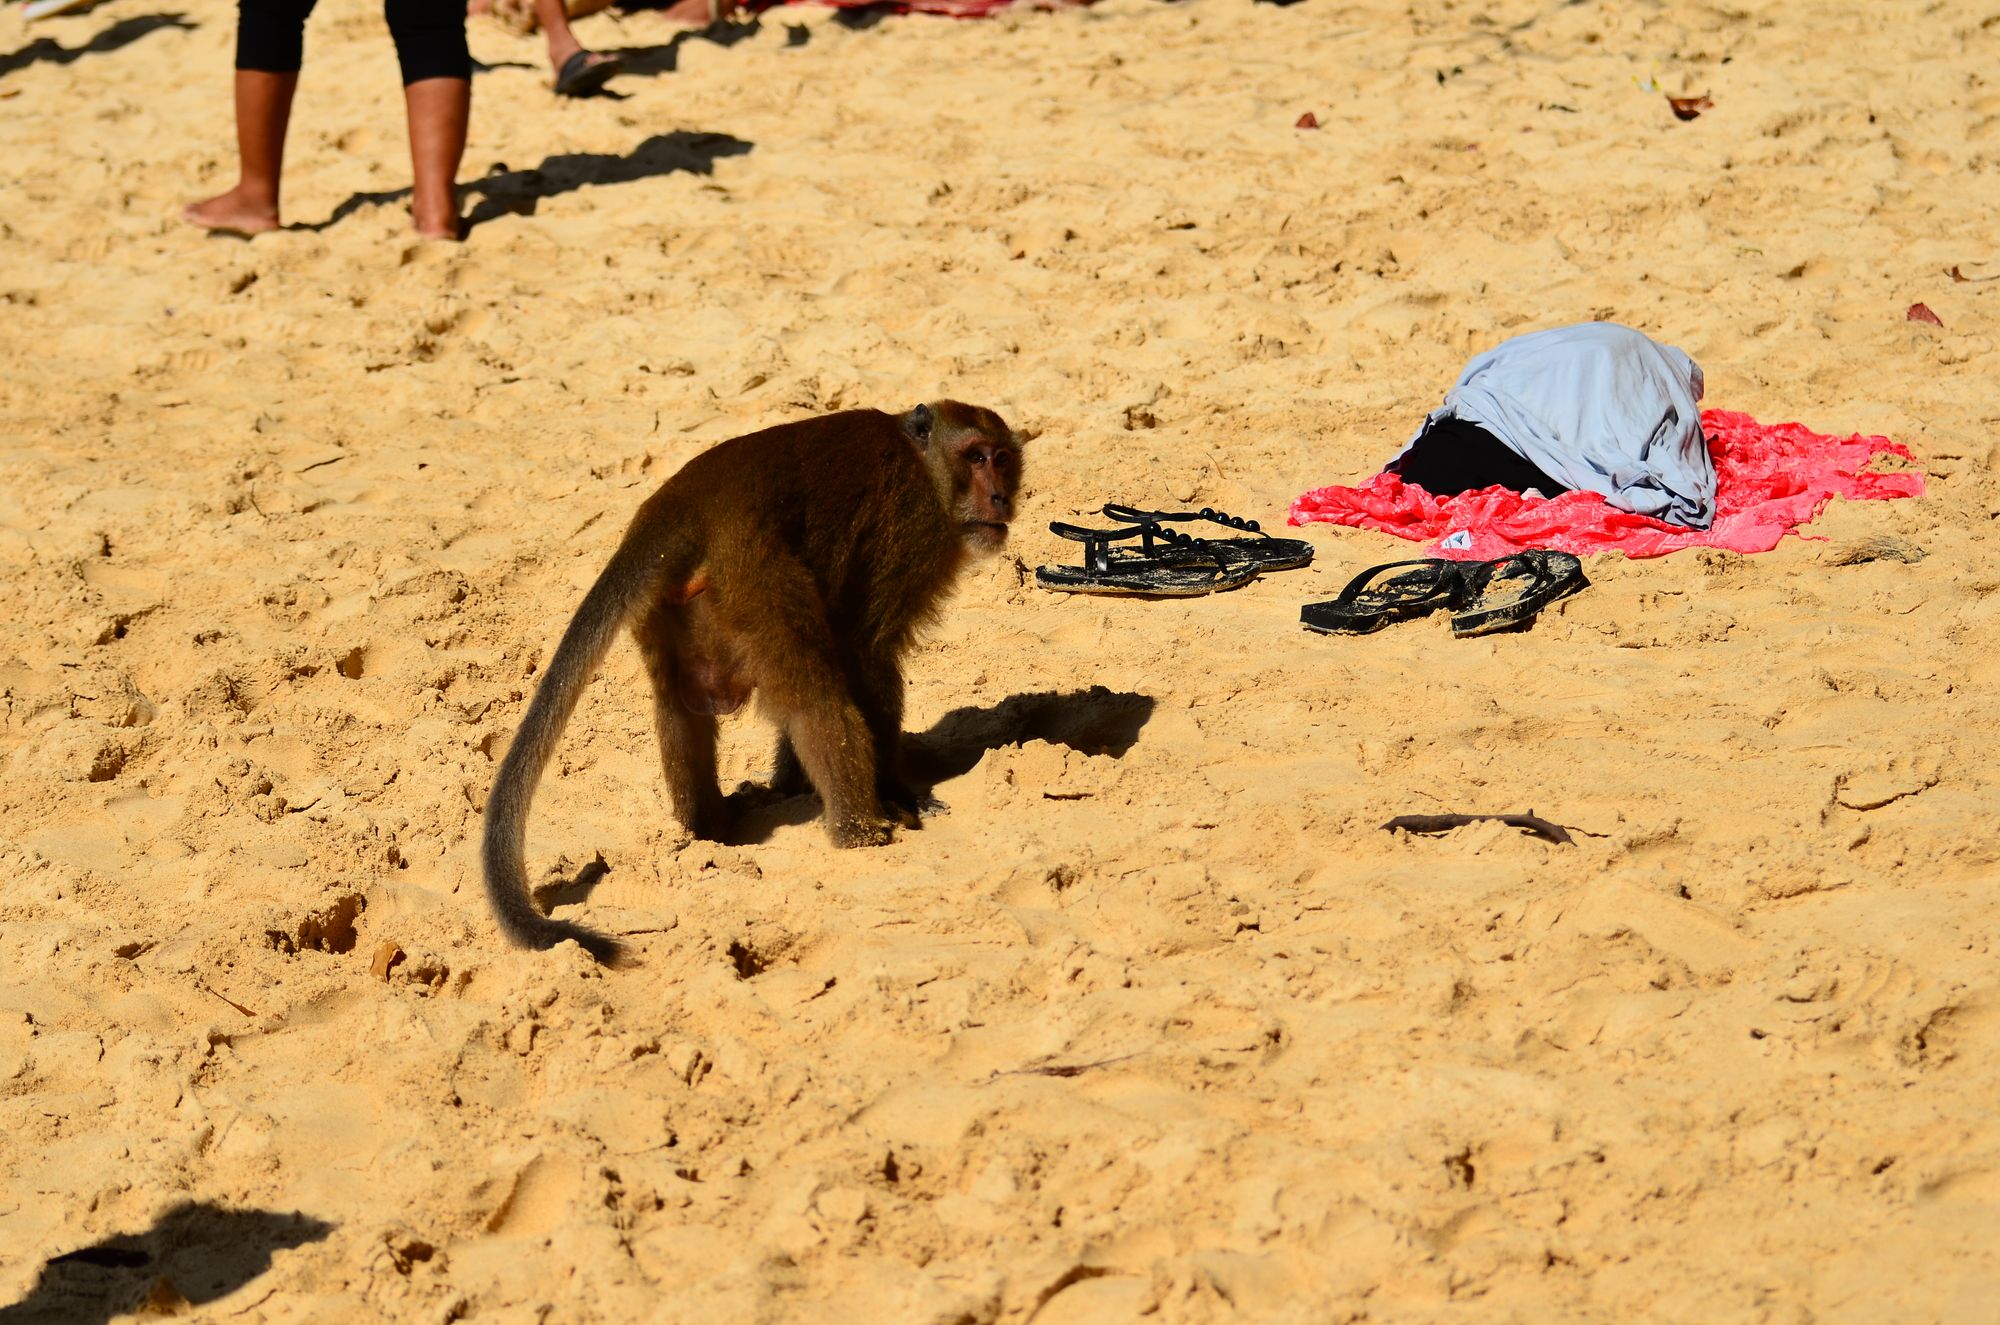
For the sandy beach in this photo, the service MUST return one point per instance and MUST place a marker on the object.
(1156, 1023)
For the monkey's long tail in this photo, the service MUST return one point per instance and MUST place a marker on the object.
(605, 609)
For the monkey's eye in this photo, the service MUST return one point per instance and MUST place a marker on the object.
(976, 457)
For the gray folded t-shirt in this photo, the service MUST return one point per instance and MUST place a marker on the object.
(1599, 407)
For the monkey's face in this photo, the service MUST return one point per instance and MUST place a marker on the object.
(992, 470)
(978, 465)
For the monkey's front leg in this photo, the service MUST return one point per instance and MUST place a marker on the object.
(833, 744)
(809, 695)
(878, 689)
(788, 775)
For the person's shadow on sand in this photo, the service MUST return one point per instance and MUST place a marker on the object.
(504, 192)
(47, 50)
(195, 1253)
(652, 61)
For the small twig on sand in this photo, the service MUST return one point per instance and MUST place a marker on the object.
(1059, 1069)
(206, 988)
(1530, 823)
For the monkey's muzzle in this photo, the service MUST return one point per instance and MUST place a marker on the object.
(986, 535)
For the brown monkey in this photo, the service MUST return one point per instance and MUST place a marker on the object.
(798, 562)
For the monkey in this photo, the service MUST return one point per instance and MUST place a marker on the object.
(797, 563)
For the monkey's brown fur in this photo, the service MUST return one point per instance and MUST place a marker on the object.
(798, 562)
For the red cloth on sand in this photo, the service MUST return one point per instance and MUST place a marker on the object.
(1770, 478)
(952, 8)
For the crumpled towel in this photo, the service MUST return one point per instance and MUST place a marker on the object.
(1770, 479)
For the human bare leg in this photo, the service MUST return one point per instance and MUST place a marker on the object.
(698, 13)
(439, 109)
(263, 110)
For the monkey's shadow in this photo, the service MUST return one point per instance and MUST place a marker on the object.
(1094, 721)
(193, 1254)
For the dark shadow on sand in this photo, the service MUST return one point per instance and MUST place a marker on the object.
(860, 18)
(47, 50)
(652, 61)
(1096, 721)
(573, 890)
(519, 192)
(194, 1254)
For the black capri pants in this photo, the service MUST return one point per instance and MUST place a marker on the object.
(430, 37)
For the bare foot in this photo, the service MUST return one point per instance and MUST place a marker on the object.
(435, 223)
(698, 13)
(236, 212)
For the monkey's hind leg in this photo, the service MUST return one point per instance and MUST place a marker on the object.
(687, 741)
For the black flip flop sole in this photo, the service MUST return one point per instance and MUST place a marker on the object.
(1551, 576)
(1187, 579)
(1365, 605)
(588, 77)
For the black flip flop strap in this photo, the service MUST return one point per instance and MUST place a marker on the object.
(1548, 570)
(1173, 538)
(1534, 560)
(1133, 515)
(1360, 583)
(1175, 545)
(1096, 543)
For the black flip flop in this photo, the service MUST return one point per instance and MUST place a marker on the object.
(1175, 572)
(1368, 604)
(1507, 593)
(581, 77)
(1264, 551)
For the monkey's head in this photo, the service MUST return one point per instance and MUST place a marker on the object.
(976, 463)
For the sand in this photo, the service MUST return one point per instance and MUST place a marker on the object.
(1156, 1022)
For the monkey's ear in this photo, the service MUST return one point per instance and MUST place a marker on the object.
(917, 425)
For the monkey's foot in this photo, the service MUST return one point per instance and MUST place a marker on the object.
(232, 213)
(908, 807)
(756, 795)
(860, 833)
(710, 825)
